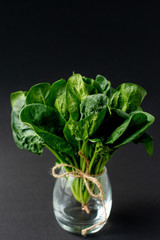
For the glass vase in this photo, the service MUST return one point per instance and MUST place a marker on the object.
(68, 208)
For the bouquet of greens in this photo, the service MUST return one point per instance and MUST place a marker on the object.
(81, 114)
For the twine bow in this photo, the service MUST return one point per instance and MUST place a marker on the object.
(79, 174)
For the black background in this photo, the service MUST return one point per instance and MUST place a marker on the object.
(44, 42)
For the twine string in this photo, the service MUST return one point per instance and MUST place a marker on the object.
(92, 178)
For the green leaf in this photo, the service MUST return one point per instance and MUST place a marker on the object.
(93, 110)
(70, 136)
(57, 89)
(127, 97)
(76, 91)
(54, 141)
(131, 129)
(94, 84)
(93, 104)
(87, 126)
(18, 99)
(147, 140)
(47, 123)
(44, 117)
(61, 105)
(38, 93)
(57, 97)
(104, 84)
(24, 136)
(112, 120)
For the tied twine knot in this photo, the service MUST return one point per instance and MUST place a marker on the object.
(92, 178)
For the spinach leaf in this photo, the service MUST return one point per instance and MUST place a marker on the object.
(44, 117)
(61, 105)
(111, 121)
(47, 123)
(93, 110)
(38, 93)
(147, 140)
(54, 141)
(94, 84)
(76, 91)
(104, 84)
(18, 99)
(131, 129)
(57, 97)
(69, 135)
(87, 126)
(127, 97)
(93, 104)
(57, 89)
(24, 136)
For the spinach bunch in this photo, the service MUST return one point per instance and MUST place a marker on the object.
(81, 114)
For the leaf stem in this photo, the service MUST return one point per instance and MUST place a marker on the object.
(97, 170)
(75, 162)
(92, 161)
(55, 153)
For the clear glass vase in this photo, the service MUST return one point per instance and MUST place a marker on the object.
(68, 211)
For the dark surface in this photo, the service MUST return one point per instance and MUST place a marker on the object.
(46, 42)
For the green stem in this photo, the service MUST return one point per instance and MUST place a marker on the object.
(55, 153)
(97, 170)
(104, 162)
(75, 162)
(79, 145)
(92, 161)
(79, 148)
(84, 150)
(81, 158)
(80, 190)
(74, 191)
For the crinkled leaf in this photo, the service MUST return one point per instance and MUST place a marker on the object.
(112, 120)
(24, 136)
(44, 117)
(87, 126)
(61, 105)
(93, 110)
(76, 91)
(131, 129)
(70, 136)
(18, 100)
(47, 123)
(104, 84)
(38, 93)
(54, 141)
(93, 104)
(57, 89)
(127, 97)
(94, 84)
